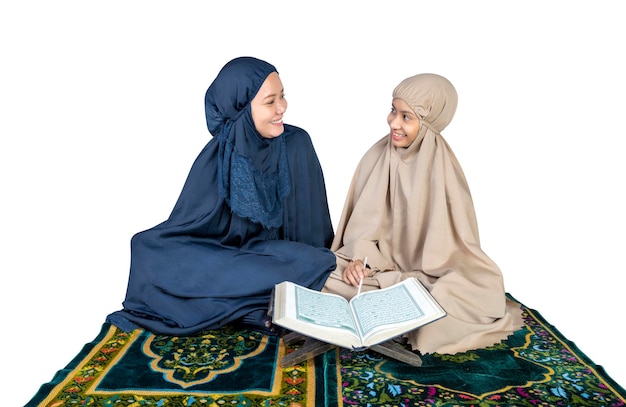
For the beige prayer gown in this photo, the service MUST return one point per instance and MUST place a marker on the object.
(410, 212)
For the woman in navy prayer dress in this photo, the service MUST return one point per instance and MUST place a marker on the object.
(252, 213)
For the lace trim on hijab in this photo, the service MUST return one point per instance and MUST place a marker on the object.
(257, 196)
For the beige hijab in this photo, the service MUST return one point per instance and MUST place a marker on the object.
(410, 212)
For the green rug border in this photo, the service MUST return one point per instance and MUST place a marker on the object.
(598, 369)
(62, 374)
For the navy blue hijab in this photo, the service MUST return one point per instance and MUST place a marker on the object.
(252, 170)
(252, 213)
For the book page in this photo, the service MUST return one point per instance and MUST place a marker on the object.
(389, 306)
(331, 311)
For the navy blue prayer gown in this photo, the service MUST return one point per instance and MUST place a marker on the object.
(207, 266)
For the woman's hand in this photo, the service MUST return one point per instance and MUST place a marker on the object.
(354, 272)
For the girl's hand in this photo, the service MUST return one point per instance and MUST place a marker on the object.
(354, 272)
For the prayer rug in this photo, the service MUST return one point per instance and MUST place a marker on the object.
(536, 366)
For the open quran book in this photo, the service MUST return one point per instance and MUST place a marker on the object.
(367, 319)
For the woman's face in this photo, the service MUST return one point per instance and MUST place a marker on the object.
(403, 123)
(268, 107)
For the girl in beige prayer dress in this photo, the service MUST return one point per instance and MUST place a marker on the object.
(410, 212)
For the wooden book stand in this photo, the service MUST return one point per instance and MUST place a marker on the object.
(313, 347)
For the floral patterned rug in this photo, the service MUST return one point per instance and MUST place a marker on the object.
(228, 367)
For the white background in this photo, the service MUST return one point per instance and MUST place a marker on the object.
(102, 114)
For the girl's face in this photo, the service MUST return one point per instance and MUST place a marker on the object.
(268, 107)
(403, 123)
